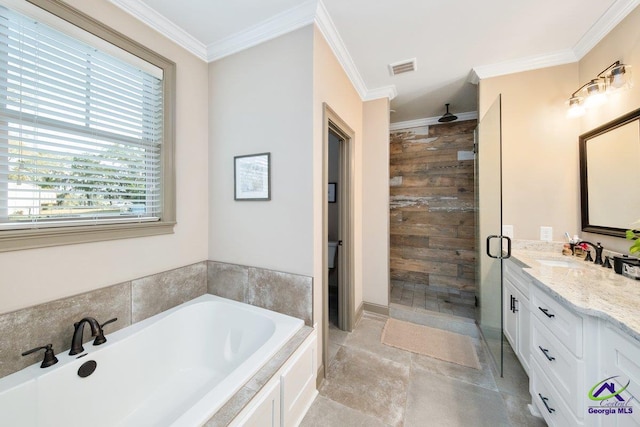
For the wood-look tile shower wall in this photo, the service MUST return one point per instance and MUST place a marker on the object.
(432, 208)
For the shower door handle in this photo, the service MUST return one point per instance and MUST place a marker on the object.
(500, 255)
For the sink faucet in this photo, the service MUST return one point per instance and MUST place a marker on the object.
(599, 248)
(76, 342)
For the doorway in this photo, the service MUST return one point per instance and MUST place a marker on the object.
(335, 243)
(338, 274)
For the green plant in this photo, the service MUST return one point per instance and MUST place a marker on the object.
(635, 236)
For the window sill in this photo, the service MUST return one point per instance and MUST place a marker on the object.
(15, 240)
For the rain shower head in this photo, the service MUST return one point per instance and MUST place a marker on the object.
(447, 117)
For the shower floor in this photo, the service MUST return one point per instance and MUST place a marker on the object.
(419, 296)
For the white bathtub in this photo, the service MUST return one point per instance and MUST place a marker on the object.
(176, 368)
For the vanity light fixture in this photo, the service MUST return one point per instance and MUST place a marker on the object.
(594, 92)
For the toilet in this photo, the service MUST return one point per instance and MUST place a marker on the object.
(331, 254)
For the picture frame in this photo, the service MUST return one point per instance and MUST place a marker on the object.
(332, 192)
(252, 177)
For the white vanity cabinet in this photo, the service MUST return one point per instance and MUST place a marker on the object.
(557, 379)
(572, 354)
(621, 360)
(516, 313)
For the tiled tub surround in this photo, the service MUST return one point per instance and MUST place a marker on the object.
(282, 292)
(130, 302)
(138, 299)
(590, 289)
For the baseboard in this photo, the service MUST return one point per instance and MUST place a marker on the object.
(376, 308)
(320, 377)
(359, 313)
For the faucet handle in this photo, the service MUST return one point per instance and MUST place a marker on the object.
(49, 357)
(101, 339)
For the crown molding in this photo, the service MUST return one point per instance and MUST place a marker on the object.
(329, 31)
(381, 92)
(332, 36)
(612, 17)
(523, 64)
(607, 22)
(164, 26)
(282, 23)
(471, 115)
(297, 17)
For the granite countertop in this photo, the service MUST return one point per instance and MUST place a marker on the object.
(585, 287)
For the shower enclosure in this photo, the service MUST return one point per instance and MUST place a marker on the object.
(493, 247)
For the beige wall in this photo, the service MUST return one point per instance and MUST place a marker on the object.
(540, 144)
(539, 149)
(270, 98)
(35, 276)
(332, 86)
(261, 101)
(375, 202)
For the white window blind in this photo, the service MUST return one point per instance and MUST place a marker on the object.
(80, 131)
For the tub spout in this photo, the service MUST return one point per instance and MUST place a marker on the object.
(76, 342)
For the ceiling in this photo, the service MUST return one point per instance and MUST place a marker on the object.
(454, 42)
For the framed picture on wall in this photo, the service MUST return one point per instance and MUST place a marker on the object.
(332, 192)
(252, 177)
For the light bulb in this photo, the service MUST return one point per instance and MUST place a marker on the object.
(576, 108)
(620, 77)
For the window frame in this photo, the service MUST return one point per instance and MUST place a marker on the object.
(11, 240)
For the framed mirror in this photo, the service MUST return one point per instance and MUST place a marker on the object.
(609, 174)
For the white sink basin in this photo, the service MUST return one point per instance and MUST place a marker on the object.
(559, 263)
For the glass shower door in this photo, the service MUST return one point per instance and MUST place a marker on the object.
(493, 247)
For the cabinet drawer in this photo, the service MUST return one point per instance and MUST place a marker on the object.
(564, 324)
(515, 275)
(562, 367)
(548, 401)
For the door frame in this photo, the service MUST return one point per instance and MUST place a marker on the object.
(332, 122)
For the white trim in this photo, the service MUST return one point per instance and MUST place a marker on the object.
(607, 22)
(282, 23)
(525, 64)
(330, 32)
(277, 25)
(612, 17)
(315, 11)
(164, 26)
(471, 115)
(328, 29)
(381, 92)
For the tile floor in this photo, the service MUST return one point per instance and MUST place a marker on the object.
(371, 384)
(417, 295)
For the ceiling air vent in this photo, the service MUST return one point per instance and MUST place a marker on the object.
(403, 66)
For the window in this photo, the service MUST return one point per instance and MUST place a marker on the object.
(85, 133)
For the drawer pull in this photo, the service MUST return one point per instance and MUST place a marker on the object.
(545, 351)
(512, 298)
(546, 405)
(546, 312)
